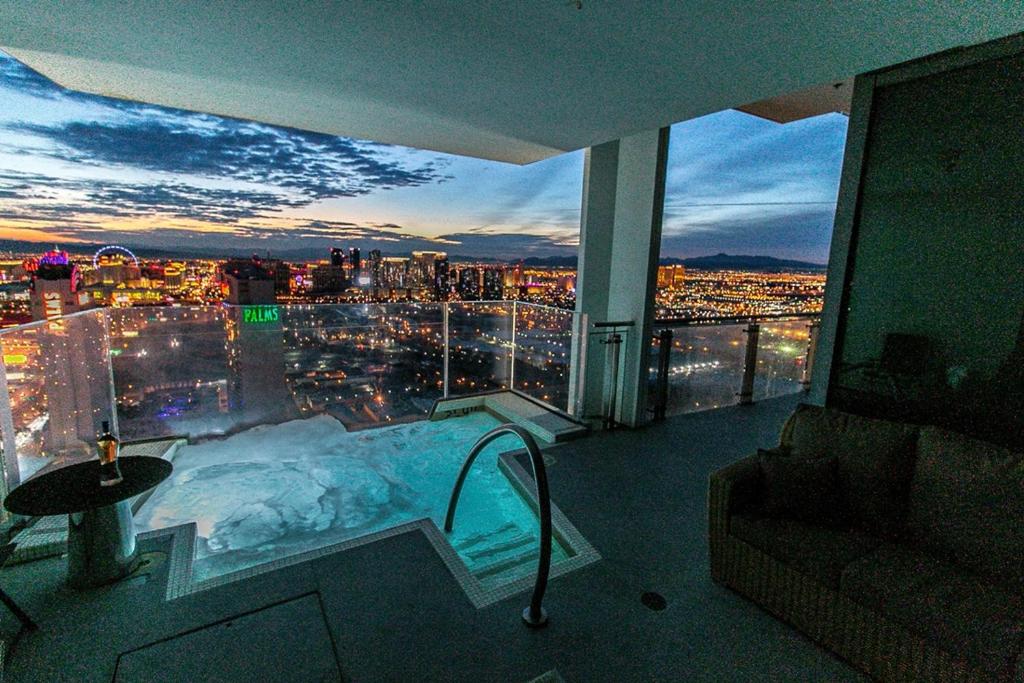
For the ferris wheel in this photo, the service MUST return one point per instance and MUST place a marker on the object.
(112, 248)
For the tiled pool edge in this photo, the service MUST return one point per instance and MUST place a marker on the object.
(180, 581)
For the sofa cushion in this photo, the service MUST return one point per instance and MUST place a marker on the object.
(889, 571)
(804, 489)
(966, 503)
(818, 551)
(965, 616)
(875, 461)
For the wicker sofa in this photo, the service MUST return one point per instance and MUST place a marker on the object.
(900, 548)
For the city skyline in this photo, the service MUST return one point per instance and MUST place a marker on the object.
(77, 168)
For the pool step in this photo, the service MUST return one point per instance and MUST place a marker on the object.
(543, 421)
(504, 552)
(477, 539)
(501, 548)
(523, 564)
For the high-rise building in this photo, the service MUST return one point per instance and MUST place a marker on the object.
(149, 275)
(328, 278)
(111, 269)
(422, 270)
(442, 283)
(494, 284)
(337, 256)
(72, 355)
(394, 272)
(257, 392)
(282, 273)
(672, 276)
(374, 264)
(469, 284)
(57, 287)
(248, 282)
(514, 275)
(355, 264)
(174, 275)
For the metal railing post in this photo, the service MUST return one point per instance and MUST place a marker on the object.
(812, 346)
(661, 383)
(110, 372)
(534, 615)
(444, 326)
(749, 364)
(11, 473)
(512, 369)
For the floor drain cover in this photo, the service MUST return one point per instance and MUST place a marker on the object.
(654, 601)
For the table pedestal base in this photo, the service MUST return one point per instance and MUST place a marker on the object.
(101, 545)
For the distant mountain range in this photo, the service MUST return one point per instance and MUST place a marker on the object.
(715, 262)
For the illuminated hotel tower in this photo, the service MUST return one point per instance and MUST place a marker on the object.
(73, 379)
(257, 391)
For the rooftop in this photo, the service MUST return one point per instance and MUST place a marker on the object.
(391, 609)
(921, 323)
(508, 82)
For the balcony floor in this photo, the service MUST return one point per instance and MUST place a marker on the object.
(390, 610)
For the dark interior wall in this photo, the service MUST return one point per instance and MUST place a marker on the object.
(939, 242)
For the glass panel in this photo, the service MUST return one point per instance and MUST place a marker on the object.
(543, 347)
(216, 370)
(58, 382)
(479, 347)
(364, 365)
(781, 358)
(705, 367)
(171, 370)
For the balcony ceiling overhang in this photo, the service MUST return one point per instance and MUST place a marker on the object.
(511, 81)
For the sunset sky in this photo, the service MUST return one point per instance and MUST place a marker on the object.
(78, 168)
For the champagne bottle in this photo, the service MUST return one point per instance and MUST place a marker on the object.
(108, 446)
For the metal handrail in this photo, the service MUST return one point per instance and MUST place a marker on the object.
(534, 615)
(734, 319)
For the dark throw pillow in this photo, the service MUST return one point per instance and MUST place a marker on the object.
(806, 489)
(875, 462)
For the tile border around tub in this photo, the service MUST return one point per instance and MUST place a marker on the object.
(180, 581)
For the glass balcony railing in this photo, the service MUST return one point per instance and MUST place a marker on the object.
(217, 370)
(480, 340)
(543, 348)
(784, 354)
(212, 371)
(55, 391)
(717, 363)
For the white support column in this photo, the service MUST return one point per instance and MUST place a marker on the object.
(620, 239)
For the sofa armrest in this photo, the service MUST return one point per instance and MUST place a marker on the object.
(729, 488)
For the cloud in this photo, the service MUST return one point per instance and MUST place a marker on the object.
(188, 202)
(309, 165)
(160, 161)
(43, 197)
(16, 76)
(802, 232)
(93, 168)
(508, 245)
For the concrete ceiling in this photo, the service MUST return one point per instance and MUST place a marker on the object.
(514, 81)
(802, 104)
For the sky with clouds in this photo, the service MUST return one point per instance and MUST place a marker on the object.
(77, 168)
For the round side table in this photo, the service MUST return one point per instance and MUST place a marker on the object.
(101, 533)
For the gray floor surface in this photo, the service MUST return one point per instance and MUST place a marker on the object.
(390, 610)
